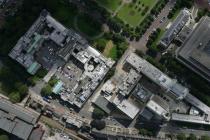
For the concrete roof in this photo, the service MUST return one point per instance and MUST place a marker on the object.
(157, 76)
(127, 107)
(158, 107)
(195, 52)
(147, 114)
(189, 118)
(104, 104)
(129, 82)
(142, 93)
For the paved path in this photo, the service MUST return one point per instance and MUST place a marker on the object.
(118, 8)
(141, 44)
(50, 73)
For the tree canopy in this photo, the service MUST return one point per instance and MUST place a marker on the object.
(181, 137)
(192, 137)
(46, 91)
(205, 138)
(4, 137)
(98, 113)
(14, 97)
(98, 124)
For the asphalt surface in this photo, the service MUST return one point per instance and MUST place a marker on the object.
(141, 44)
(55, 124)
(171, 129)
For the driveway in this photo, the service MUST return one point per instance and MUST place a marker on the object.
(141, 44)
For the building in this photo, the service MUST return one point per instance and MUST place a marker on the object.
(184, 34)
(16, 120)
(195, 51)
(145, 68)
(48, 43)
(37, 133)
(127, 107)
(60, 136)
(81, 75)
(111, 99)
(129, 82)
(197, 117)
(65, 54)
(72, 121)
(159, 107)
(104, 104)
(141, 94)
(175, 28)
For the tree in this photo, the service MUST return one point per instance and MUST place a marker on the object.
(152, 52)
(31, 81)
(41, 73)
(101, 44)
(15, 97)
(22, 89)
(98, 113)
(4, 137)
(192, 137)
(46, 91)
(53, 81)
(139, 53)
(181, 137)
(205, 138)
(121, 47)
(98, 124)
(110, 73)
(143, 132)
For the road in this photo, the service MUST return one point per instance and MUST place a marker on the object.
(54, 124)
(171, 129)
(141, 44)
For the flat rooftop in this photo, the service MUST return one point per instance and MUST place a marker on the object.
(141, 94)
(159, 107)
(126, 106)
(64, 53)
(158, 77)
(198, 104)
(104, 104)
(189, 118)
(81, 75)
(131, 79)
(48, 42)
(195, 52)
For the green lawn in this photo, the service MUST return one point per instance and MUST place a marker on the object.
(110, 50)
(88, 26)
(113, 53)
(110, 5)
(133, 13)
